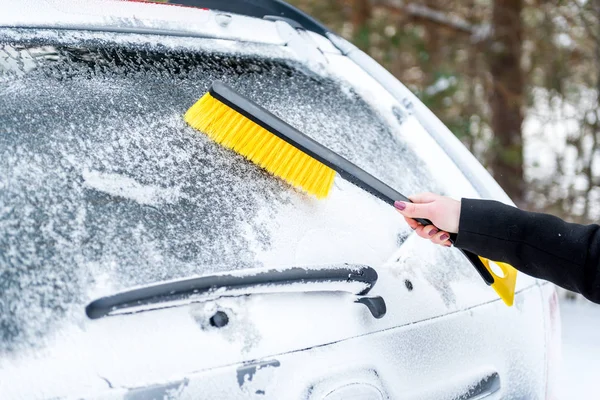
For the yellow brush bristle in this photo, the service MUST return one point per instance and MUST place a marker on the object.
(233, 130)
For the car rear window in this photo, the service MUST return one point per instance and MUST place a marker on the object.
(104, 186)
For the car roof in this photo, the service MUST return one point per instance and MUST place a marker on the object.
(192, 19)
(266, 9)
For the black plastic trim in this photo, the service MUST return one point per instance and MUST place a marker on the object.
(376, 305)
(167, 291)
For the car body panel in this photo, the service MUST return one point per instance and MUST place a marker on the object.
(411, 360)
(137, 160)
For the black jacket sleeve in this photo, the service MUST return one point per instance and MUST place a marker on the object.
(539, 245)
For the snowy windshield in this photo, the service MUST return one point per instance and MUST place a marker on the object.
(104, 185)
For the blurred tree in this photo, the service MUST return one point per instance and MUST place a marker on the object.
(518, 81)
(438, 48)
(564, 85)
(506, 96)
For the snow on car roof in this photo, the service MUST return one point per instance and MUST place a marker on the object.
(140, 17)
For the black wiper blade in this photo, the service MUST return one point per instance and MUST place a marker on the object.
(359, 280)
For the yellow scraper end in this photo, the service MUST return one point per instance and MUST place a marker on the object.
(503, 284)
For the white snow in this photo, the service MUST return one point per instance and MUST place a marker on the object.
(581, 350)
(123, 186)
(113, 15)
(440, 85)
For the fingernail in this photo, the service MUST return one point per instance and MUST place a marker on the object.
(433, 232)
(399, 205)
(444, 237)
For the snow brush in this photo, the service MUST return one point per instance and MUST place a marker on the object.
(238, 123)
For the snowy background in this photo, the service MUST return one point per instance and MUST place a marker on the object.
(581, 349)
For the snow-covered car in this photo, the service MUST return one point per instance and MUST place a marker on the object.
(140, 260)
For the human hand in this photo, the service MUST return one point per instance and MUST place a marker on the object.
(444, 212)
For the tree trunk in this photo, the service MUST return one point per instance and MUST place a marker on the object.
(361, 12)
(506, 97)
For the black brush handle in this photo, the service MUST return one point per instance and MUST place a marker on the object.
(342, 166)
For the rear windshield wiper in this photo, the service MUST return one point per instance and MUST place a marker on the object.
(354, 279)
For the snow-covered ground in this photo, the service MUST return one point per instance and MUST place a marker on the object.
(581, 350)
